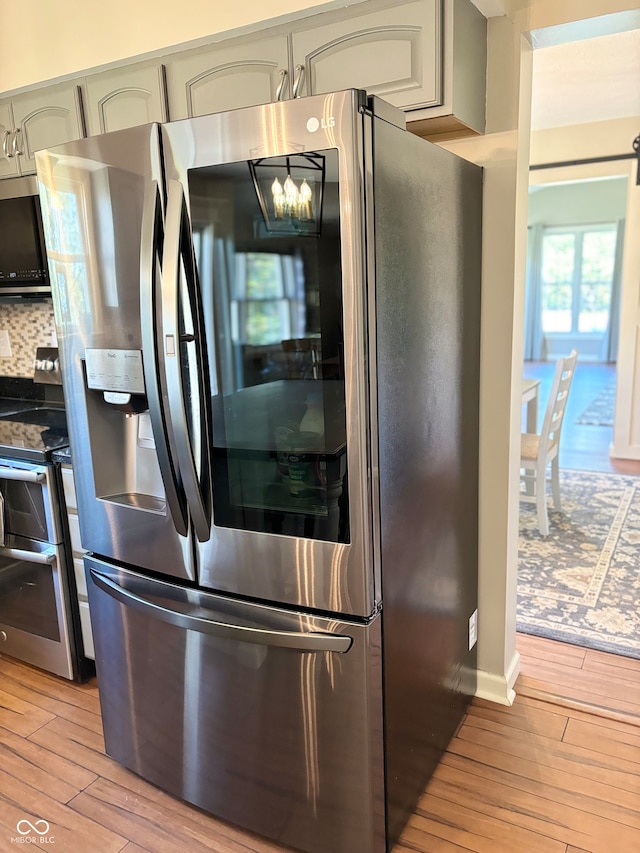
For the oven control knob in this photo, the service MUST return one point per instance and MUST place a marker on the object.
(3, 636)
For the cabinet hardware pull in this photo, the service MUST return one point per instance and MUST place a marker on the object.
(5, 144)
(283, 79)
(298, 80)
(16, 148)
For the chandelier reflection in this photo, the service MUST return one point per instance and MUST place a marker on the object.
(290, 191)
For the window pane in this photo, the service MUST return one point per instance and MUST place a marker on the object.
(266, 321)
(598, 258)
(264, 276)
(556, 307)
(558, 258)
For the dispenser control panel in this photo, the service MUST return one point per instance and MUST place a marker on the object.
(115, 370)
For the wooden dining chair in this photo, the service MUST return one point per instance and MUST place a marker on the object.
(540, 450)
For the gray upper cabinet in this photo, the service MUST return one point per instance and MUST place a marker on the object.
(8, 162)
(228, 75)
(395, 53)
(464, 71)
(39, 119)
(125, 97)
(427, 57)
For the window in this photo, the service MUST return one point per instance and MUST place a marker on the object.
(577, 278)
(268, 300)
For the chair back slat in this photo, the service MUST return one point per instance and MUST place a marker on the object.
(557, 403)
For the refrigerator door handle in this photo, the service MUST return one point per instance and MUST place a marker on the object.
(297, 640)
(177, 260)
(151, 247)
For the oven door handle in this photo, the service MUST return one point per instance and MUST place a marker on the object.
(22, 475)
(45, 558)
(302, 641)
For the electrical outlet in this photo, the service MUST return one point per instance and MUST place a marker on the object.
(5, 344)
(473, 629)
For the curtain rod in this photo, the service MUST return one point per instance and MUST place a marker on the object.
(583, 162)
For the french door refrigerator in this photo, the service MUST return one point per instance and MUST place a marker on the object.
(269, 331)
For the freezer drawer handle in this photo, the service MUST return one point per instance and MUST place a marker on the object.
(46, 558)
(299, 641)
(22, 475)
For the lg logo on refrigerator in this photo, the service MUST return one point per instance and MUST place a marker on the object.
(314, 123)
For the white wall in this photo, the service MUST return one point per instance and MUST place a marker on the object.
(590, 201)
(42, 41)
(47, 39)
(504, 153)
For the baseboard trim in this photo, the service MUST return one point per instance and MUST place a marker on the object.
(499, 688)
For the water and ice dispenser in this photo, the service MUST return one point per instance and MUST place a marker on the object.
(125, 464)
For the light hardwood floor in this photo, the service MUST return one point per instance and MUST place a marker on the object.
(559, 772)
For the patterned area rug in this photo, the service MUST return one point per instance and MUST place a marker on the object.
(581, 583)
(600, 411)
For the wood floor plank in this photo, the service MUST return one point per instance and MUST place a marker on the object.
(71, 830)
(20, 716)
(540, 648)
(624, 745)
(567, 777)
(615, 705)
(604, 663)
(523, 717)
(545, 786)
(537, 807)
(613, 771)
(574, 711)
(475, 831)
(144, 822)
(53, 704)
(44, 770)
(419, 837)
(622, 684)
(81, 695)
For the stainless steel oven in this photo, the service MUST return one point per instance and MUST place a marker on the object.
(39, 615)
(35, 601)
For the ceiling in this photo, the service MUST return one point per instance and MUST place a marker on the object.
(596, 79)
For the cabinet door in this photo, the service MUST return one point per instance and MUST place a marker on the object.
(8, 162)
(395, 53)
(225, 78)
(125, 97)
(45, 118)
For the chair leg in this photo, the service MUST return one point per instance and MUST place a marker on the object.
(555, 483)
(541, 502)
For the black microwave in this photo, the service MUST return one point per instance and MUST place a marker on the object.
(23, 258)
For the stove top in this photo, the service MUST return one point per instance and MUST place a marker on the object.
(31, 432)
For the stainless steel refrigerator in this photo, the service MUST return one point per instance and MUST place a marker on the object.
(269, 332)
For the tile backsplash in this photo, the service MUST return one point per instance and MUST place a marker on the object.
(29, 326)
